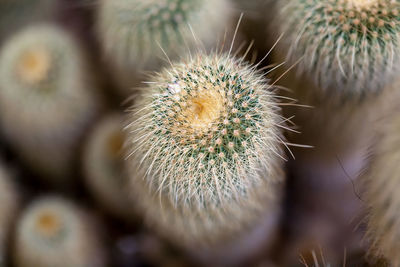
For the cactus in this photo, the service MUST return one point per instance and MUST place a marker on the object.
(54, 232)
(351, 46)
(381, 184)
(46, 99)
(104, 166)
(134, 33)
(8, 208)
(205, 148)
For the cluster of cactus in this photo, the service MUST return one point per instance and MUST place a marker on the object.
(54, 232)
(104, 166)
(205, 147)
(46, 97)
(350, 46)
(202, 155)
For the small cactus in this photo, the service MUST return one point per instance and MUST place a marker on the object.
(205, 147)
(104, 166)
(134, 32)
(46, 97)
(54, 232)
(351, 46)
(382, 185)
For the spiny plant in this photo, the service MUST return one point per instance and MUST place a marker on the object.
(351, 46)
(8, 208)
(54, 232)
(104, 165)
(134, 33)
(205, 148)
(46, 97)
(381, 194)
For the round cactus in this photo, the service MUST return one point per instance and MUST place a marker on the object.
(134, 32)
(205, 148)
(8, 208)
(351, 46)
(104, 166)
(53, 232)
(46, 97)
(381, 193)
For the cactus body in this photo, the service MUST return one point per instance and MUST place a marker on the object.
(382, 184)
(54, 232)
(134, 32)
(46, 97)
(104, 166)
(349, 46)
(205, 148)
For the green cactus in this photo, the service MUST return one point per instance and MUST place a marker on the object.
(46, 97)
(205, 135)
(54, 232)
(350, 46)
(135, 33)
(104, 166)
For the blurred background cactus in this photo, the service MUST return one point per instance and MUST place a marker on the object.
(104, 166)
(135, 34)
(380, 186)
(47, 98)
(258, 131)
(53, 232)
(346, 45)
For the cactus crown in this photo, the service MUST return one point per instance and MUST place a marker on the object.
(48, 224)
(205, 129)
(350, 45)
(49, 221)
(34, 65)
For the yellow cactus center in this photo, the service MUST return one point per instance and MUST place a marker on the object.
(34, 65)
(48, 224)
(204, 109)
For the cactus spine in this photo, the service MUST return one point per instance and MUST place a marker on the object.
(205, 148)
(351, 46)
(104, 166)
(54, 232)
(46, 97)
